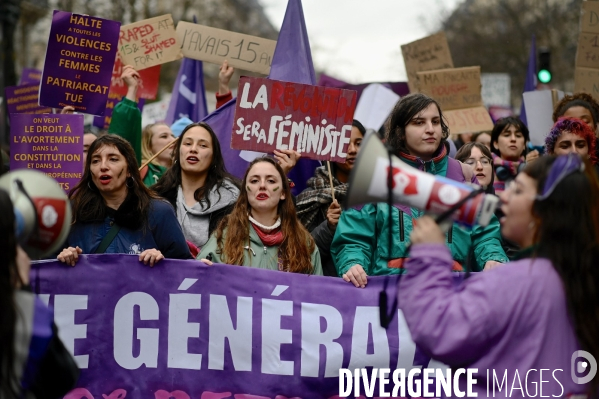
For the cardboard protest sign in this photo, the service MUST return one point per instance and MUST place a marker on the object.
(431, 52)
(452, 88)
(468, 120)
(315, 121)
(24, 100)
(148, 85)
(375, 105)
(539, 113)
(496, 89)
(79, 60)
(587, 80)
(150, 42)
(587, 54)
(589, 17)
(52, 144)
(30, 76)
(213, 45)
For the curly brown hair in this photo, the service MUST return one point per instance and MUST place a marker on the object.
(577, 100)
(297, 246)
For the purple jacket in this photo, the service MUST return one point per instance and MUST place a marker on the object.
(513, 318)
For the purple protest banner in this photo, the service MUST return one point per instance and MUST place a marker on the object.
(24, 100)
(30, 76)
(79, 60)
(204, 332)
(52, 144)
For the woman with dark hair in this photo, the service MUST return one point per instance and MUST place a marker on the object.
(417, 134)
(33, 360)
(508, 145)
(580, 106)
(198, 184)
(571, 135)
(263, 230)
(315, 206)
(532, 314)
(114, 212)
(480, 158)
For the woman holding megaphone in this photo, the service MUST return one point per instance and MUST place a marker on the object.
(532, 315)
(417, 134)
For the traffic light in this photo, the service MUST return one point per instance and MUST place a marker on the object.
(544, 72)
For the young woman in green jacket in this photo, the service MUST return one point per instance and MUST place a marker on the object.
(417, 134)
(263, 230)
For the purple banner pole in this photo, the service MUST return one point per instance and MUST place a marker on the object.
(52, 144)
(186, 330)
(79, 60)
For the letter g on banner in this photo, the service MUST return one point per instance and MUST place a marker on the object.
(580, 366)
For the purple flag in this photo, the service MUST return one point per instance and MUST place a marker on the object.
(530, 84)
(189, 97)
(291, 62)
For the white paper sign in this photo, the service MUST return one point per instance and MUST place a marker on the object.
(375, 105)
(496, 89)
(155, 112)
(539, 111)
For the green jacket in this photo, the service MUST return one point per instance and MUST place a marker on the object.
(126, 122)
(362, 236)
(153, 174)
(260, 256)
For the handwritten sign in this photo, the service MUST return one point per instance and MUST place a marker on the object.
(150, 42)
(587, 80)
(24, 100)
(452, 88)
(315, 121)
(589, 17)
(148, 84)
(30, 76)
(468, 120)
(496, 89)
(155, 112)
(213, 45)
(52, 144)
(79, 60)
(431, 52)
(587, 54)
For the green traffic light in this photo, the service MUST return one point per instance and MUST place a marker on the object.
(544, 76)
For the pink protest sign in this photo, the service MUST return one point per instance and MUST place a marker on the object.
(315, 121)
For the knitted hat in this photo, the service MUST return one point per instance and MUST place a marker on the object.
(179, 125)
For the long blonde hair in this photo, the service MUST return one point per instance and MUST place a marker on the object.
(146, 142)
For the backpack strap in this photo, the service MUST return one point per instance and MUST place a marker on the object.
(108, 239)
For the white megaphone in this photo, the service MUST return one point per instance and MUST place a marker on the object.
(368, 183)
(42, 211)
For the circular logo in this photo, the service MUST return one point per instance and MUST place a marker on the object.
(449, 195)
(49, 216)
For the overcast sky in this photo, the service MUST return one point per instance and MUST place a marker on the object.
(359, 40)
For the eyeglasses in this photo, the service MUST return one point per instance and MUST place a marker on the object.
(483, 161)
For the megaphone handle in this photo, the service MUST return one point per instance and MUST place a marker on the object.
(331, 180)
